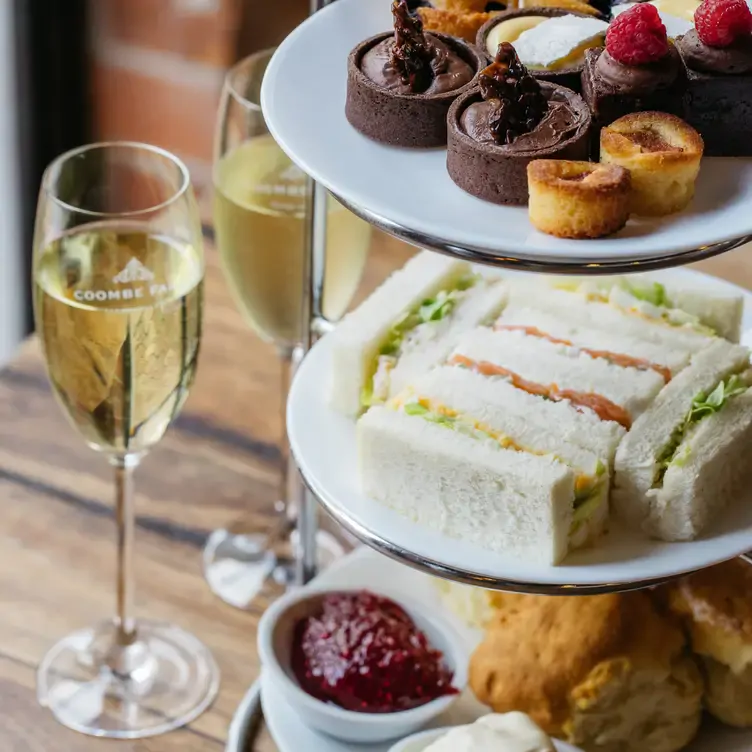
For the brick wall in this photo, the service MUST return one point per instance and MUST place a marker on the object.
(159, 66)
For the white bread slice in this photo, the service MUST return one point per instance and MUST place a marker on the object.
(673, 357)
(579, 439)
(717, 471)
(635, 465)
(500, 500)
(577, 310)
(718, 309)
(544, 362)
(357, 339)
(433, 343)
(498, 406)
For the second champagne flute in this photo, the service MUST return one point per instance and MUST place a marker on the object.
(260, 226)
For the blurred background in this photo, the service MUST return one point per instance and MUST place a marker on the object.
(144, 70)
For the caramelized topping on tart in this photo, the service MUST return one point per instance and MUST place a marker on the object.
(412, 53)
(519, 103)
(651, 140)
(577, 177)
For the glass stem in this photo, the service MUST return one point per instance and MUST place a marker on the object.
(125, 519)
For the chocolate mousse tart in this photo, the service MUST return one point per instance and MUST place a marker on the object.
(400, 85)
(634, 73)
(509, 120)
(551, 51)
(718, 102)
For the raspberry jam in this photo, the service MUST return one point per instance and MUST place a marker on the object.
(364, 653)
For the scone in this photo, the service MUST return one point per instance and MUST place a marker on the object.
(571, 199)
(452, 22)
(716, 607)
(663, 154)
(606, 673)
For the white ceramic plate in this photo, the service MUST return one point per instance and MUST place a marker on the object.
(303, 98)
(324, 445)
(367, 569)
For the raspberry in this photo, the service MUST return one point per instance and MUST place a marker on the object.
(637, 36)
(720, 22)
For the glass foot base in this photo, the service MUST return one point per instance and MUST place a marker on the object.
(163, 680)
(238, 566)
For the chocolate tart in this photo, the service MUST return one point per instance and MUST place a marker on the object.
(498, 173)
(569, 77)
(609, 102)
(390, 117)
(718, 102)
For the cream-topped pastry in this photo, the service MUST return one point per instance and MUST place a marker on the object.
(560, 42)
(545, 43)
(510, 30)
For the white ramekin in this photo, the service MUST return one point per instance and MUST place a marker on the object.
(275, 636)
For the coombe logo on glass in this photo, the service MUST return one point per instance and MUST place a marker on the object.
(131, 274)
(134, 271)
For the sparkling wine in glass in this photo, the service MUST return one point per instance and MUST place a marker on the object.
(260, 223)
(118, 293)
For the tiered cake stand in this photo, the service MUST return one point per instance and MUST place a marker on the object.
(410, 195)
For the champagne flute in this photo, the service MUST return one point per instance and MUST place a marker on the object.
(118, 293)
(260, 226)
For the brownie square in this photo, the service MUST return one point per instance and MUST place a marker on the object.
(720, 107)
(608, 104)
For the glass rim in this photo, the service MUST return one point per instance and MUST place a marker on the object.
(53, 167)
(236, 68)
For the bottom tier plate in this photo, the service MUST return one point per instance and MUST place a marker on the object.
(368, 569)
(324, 445)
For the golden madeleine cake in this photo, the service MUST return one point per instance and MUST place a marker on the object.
(606, 673)
(716, 606)
(663, 154)
(572, 199)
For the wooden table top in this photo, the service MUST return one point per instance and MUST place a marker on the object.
(218, 462)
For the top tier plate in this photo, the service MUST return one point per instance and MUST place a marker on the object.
(410, 194)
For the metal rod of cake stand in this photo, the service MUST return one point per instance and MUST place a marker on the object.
(314, 263)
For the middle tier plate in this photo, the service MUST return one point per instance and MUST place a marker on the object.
(324, 445)
(409, 192)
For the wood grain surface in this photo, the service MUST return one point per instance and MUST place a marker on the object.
(218, 462)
